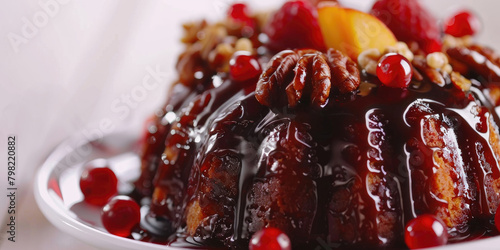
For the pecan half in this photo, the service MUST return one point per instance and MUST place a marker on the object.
(321, 79)
(476, 58)
(345, 72)
(273, 77)
(309, 71)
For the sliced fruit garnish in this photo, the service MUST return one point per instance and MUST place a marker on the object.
(352, 31)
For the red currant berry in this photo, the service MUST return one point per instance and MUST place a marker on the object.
(121, 215)
(425, 231)
(98, 183)
(239, 13)
(244, 66)
(270, 239)
(464, 23)
(394, 70)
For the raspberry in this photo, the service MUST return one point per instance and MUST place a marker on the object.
(409, 21)
(464, 23)
(295, 26)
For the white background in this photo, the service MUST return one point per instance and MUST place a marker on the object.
(81, 58)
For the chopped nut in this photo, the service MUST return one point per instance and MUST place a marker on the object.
(452, 42)
(209, 47)
(212, 45)
(191, 31)
(447, 68)
(420, 63)
(402, 49)
(368, 60)
(244, 44)
(212, 36)
(460, 81)
(225, 49)
(437, 60)
(220, 56)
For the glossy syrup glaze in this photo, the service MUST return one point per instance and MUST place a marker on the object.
(349, 174)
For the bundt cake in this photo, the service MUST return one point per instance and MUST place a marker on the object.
(277, 121)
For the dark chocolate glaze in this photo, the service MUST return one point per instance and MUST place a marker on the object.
(348, 175)
(154, 141)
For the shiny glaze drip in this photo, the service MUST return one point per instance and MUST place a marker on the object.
(181, 144)
(154, 139)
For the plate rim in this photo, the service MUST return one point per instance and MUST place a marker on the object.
(60, 217)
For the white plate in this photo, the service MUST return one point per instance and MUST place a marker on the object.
(60, 199)
(58, 196)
